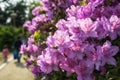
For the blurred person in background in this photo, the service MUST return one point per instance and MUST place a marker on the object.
(17, 46)
(5, 52)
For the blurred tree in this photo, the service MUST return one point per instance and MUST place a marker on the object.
(3, 16)
(13, 13)
(7, 36)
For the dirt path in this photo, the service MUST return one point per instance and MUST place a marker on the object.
(15, 71)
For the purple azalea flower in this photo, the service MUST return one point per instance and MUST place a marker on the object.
(101, 32)
(115, 28)
(44, 67)
(96, 2)
(49, 14)
(36, 11)
(108, 52)
(27, 24)
(84, 71)
(80, 12)
(32, 48)
(58, 39)
(88, 26)
(36, 70)
(72, 11)
(61, 24)
(23, 49)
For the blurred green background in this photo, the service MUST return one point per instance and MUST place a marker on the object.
(13, 14)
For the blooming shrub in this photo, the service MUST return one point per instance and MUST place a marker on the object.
(81, 43)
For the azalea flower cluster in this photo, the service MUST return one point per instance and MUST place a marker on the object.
(47, 13)
(82, 42)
